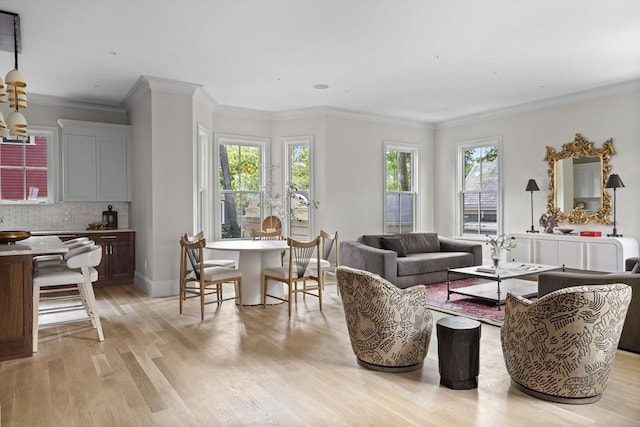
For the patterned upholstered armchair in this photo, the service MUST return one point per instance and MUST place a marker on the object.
(390, 328)
(562, 347)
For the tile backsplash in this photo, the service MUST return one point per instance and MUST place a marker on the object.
(59, 216)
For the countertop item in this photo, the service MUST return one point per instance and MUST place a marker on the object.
(34, 245)
(13, 236)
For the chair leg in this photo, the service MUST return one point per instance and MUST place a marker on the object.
(264, 292)
(201, 300)
(36, 307)
(291, 293)
(182, 293)
(91, 304)
(239, 293)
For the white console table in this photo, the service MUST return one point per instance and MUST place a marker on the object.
(585, 253)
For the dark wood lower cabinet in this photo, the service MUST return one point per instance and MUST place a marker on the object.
(16, 306)
(118, 255)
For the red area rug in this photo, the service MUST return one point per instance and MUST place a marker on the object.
(484, 311)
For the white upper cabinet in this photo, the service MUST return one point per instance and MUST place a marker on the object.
(96, 161)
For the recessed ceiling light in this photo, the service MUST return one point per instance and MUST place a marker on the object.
(321, 86)
(113, 52)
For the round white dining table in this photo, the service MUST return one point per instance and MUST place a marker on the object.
(254, 257)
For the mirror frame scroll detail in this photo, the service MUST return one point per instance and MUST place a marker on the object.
(580, 147)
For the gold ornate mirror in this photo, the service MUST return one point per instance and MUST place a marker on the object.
(577, 176)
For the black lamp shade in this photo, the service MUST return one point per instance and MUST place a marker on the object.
(532, 186)
(614, 181)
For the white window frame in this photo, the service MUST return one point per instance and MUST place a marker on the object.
(232, 139)
(414, 149)
(287, 143)
(460, 149)
(203, 180)
(52, 166)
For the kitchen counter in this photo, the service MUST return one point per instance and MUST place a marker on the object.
(34, 245)
(67, 232)
(16, 293)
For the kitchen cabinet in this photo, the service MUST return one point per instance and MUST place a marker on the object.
(584, 253)
(118, 263)
(118, 257)
(16, 304)
(96, 161)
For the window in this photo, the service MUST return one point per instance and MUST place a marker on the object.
(27, 170)
(400, 187)
(479, 204)
(203, 179)
(298, 172)
(240, 171)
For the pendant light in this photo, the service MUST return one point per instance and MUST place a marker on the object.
(12, 91)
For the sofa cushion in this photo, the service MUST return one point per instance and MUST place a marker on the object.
(421, 242)
(421, 263)
(393, 244)
(636, 268)
(372, 240)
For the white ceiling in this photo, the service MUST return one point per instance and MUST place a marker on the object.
(421, 60)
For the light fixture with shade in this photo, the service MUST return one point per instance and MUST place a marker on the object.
(12, 89)
(614, 182)
(532, 186)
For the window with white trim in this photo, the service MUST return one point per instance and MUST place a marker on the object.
(479, 204)
(400, 186)
(299, 180)
(28, 167)
(240, 168)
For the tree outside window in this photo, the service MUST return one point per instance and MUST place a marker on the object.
(400, 189)
(240, 172)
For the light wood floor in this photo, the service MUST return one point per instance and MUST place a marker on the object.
(255, 367)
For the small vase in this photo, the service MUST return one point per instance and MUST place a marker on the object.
(496, 257)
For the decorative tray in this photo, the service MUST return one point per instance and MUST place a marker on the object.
(13, 236)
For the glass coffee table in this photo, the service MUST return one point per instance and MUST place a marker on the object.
(504, 280)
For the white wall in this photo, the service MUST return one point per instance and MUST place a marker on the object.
(525, 137)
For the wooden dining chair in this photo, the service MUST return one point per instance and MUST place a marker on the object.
(199, 281)
(271, 223)
(267, 235)
(329, 243)
(296, 273)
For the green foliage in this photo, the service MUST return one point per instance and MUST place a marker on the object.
(472, 156)
(244, 168)
(398, 171)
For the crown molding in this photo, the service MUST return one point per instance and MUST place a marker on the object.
(241, 113)
(571, 98)
(48, 100)
(202, 97)
(379, 119)
(159, 84)
(315, 112)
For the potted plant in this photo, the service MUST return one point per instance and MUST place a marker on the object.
(499, 245)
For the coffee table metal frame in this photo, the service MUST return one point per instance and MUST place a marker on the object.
(509, 270)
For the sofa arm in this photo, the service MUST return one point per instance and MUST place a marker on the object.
(554, 280)
(451, 245)
(363, 257)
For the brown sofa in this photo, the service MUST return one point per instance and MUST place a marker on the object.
(409, 259)
(630, 338)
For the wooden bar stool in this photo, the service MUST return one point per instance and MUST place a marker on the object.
(67, 289)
